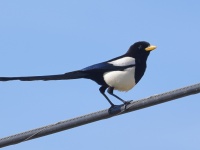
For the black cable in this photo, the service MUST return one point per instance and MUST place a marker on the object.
(99, 115)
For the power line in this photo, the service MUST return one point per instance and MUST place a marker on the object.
(99, 115)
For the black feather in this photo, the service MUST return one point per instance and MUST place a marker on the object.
(65, 76)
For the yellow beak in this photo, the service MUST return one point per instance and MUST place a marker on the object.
(150, 48)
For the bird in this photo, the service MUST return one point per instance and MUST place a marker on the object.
(121, 73)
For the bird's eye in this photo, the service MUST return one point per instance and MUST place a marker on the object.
(140, 47)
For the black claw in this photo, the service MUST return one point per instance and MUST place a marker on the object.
(127, 102)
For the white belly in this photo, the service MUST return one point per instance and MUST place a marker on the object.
(121, 80)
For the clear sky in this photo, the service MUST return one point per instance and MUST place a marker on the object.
(51, 37)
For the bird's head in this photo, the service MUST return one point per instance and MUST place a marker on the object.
(140, 49)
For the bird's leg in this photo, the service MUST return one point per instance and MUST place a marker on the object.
(110, 91)
(102, 90)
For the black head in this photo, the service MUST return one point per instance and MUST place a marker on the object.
(140, 49)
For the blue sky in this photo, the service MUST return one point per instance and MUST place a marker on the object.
(52, 37)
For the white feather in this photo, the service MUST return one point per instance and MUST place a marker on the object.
(121, 80)
(125, 61)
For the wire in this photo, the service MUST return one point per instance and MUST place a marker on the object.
(99, 115)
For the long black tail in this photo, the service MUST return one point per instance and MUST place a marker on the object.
(69, 75)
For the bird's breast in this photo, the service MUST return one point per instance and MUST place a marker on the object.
(121, 80)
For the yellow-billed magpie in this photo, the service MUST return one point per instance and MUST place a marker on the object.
(121, 73)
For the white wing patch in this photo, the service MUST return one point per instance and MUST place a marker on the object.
(125, 61)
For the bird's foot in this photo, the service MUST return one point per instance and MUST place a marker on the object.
(114, 108)
(118, 108)
(127, 103)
